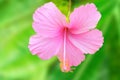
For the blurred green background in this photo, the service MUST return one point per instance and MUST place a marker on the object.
(17, 63)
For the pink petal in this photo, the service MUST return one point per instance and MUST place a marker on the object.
(70, 56)
(45, 48)
(88, 42)
(48, 20)
(84, 18)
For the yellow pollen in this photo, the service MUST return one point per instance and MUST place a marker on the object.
(65, 67)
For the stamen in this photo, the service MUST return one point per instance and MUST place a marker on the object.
(64, 48)
(65, 67)
(64, 63)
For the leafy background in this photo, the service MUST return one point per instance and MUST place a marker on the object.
(17, 63)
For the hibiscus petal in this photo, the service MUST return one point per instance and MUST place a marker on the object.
(48, 20)
(45, 48)
(87, 42)
(71, 56)
(84, 18)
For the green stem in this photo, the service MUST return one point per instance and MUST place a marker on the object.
(69, 10)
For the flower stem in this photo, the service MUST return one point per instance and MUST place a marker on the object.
(69, 10)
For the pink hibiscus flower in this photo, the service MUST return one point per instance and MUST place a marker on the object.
(69, 41)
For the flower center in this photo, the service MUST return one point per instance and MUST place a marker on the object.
(65, 30)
